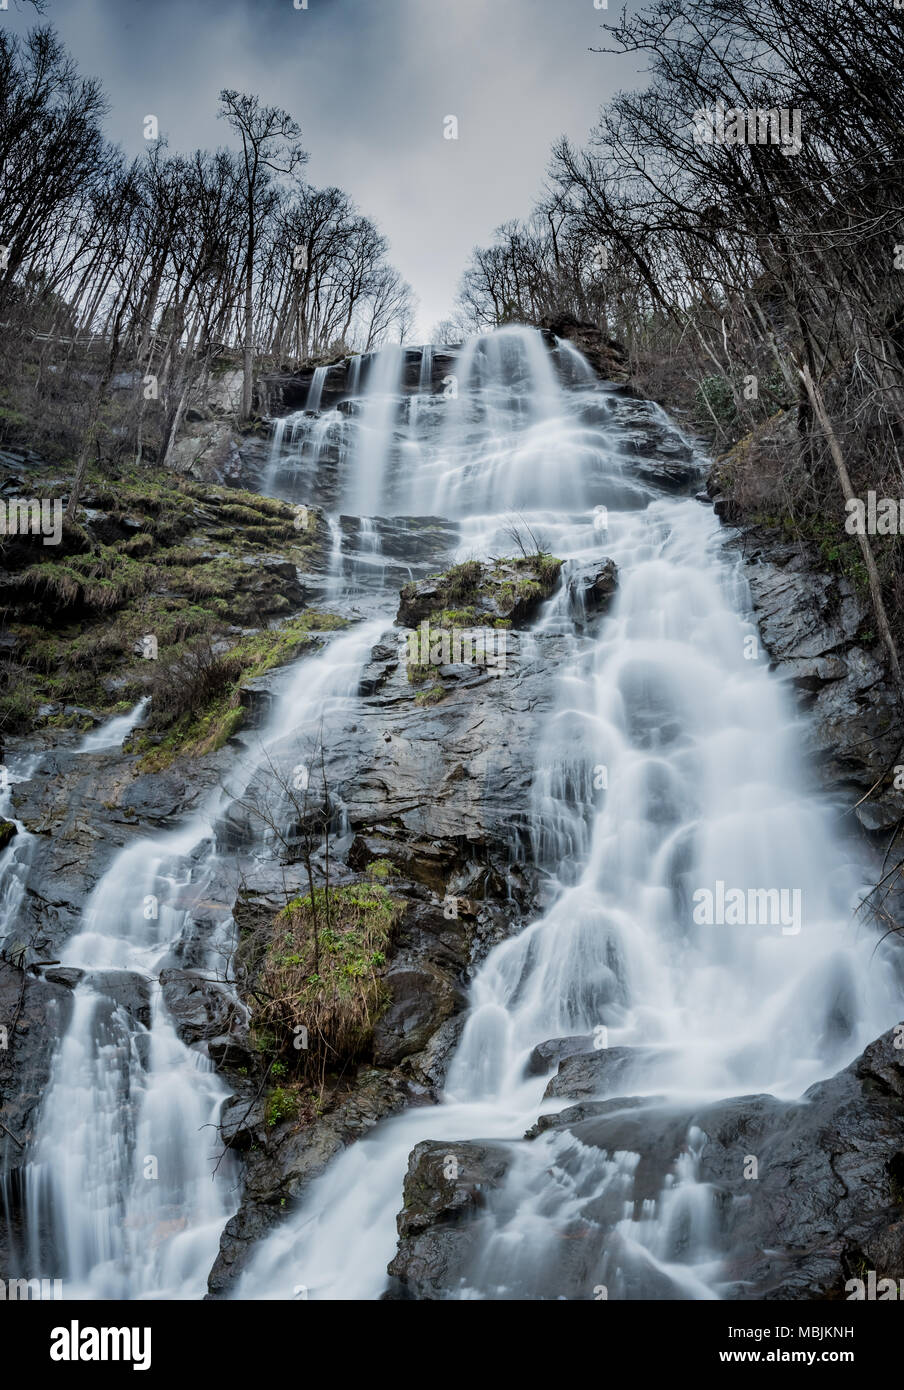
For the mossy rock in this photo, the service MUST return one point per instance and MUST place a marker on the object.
(479, 594)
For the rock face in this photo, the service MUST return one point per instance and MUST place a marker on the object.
(445, 1189)
(591, 589)
(280, 1166)
(33, 1014)
(278, 393)
(203, 1010)
(507, 591)
(816, 629)
(827, 1192)
(607, 357)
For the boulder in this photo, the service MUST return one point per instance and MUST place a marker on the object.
(591, 588)
(202, 1008)
(445, 1191)
(547, 1055)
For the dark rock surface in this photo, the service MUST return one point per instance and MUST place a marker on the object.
(34, 1012)
(445, 1190)
(815, 628)
(607, 356)
(824, 1203)
(591, 588)
(280, 1166)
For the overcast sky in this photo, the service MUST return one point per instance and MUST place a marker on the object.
(370, 82)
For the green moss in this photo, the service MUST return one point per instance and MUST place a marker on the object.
(93, 602)
(454, 617)
(431, 696)
(253, 655)
(379, 870)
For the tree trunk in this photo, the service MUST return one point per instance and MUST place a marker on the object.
(248, 356)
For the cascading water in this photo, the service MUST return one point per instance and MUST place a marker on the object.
(127, 1188)
(114, 731)
(670, 765)
(315, 391)
(364, 487)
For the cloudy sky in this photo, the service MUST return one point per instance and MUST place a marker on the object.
(371, 82)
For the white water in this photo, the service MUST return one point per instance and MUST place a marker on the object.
(381, 407)
(115, 731)
(16, 857)
(127, 1170)
(315, 390)
(703, 782)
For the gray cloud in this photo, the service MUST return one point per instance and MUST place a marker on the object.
(370, 81)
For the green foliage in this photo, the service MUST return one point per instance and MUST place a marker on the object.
(339, 1002)
(282, 1104)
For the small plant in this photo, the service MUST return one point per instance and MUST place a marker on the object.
(431, 696)
(282, 1104)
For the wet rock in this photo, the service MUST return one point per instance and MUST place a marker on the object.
(591, 588)
(7, 830)
(445, 1191)
(256, 699)
(34, 1012)
(164, 796)
(287, 1158)
(547, 1055)
(201, 1008)
(653, 449)
(126, 990)
(508, 590)
(384, 660)
(425, 982)
(810, 623)
(802, 613)
(429, 1066)
(592, 1072)
(826, 1198)
(608, 357)
(65, 975)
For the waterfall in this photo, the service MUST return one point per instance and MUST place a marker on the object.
(126, 1172)
(315, 390)
(17, 856)
(703, 784)
(354, 374)
(668, 765)
(364, 484)
(115, 731)
(425, 375)
(577, 369)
